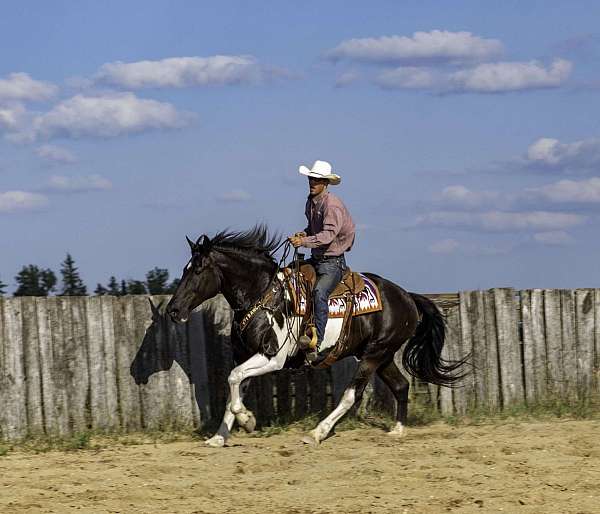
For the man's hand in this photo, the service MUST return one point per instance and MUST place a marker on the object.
(296, 239)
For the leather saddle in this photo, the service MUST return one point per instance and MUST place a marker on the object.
(351, 282)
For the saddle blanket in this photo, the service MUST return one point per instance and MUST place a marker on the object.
(367, 300)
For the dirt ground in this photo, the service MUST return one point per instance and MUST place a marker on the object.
(526, 467)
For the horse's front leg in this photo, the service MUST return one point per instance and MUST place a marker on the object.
(220, 438)
(255, 366)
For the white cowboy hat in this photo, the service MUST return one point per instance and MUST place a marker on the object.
(321, 169)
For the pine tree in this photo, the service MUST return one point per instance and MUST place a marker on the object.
(173, 286)
(156, 281)
(100, 290)
(72, 283)
(2, 288)
(33, 281)
(123, 291)
(113, 287)
(136, 287)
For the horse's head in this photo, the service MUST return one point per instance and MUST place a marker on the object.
(156, 352)
(200, 281)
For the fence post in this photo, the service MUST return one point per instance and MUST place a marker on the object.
(509, 349)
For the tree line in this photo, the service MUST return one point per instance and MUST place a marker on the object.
(35, 281)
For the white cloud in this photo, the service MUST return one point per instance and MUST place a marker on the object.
(407, 77)
(236, 195)
(500, 77)
(499, 221)
(551, 154)
(346, 78)
(435, 46)
(445, 246)
(567, 191)
(555, 238)
(64, 184)
(12, 116)
(185, 72)
(21, 87)
(461, 197)
(55, 154)
(108, 115)
(510, 76)
(13, 201)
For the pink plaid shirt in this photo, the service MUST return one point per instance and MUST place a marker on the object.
(330, 230)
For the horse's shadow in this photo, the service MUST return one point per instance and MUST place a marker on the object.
(164, 343)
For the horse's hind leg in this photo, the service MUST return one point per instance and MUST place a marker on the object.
(352, 395)
(398, 384)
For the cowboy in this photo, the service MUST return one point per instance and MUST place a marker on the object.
(329, 233)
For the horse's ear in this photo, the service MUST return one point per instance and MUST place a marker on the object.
(191, 243)
(204, 241)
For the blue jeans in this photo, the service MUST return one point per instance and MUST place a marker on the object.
(329, 274)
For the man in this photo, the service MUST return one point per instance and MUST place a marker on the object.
(329, 233)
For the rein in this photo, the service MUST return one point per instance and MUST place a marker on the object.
(265, 298)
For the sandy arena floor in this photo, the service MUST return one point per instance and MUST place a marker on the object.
(529, 467)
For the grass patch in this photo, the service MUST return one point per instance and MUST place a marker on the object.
(540, 411)
(419, 414)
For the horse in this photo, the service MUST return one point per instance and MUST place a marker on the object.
(241, 267)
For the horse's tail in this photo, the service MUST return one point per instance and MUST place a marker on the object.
(422, 354)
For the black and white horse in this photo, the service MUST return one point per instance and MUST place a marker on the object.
(240, 266)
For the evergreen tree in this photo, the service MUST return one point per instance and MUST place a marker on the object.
(136, 287)
(113, 287)
(156, 281)
(173, 286)
(100, 290)
(123, 291)
(2, 288)
(72, 283)
(33, 281)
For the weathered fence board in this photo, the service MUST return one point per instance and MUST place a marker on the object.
(596, 364)
(584, 310)
(14, 388)
(509, 351)
(552, 312)
(33, 372)
(67, 363)
(491, 341)
(453, 326)
(127, 346)
(534, 345)
(569, 344)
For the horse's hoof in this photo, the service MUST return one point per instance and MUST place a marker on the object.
(398, 431)
(246, 420)
(310, 440)
(216, 441)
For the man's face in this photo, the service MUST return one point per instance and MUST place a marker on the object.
(317, 185)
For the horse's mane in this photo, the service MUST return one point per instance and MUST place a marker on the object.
(256, 240)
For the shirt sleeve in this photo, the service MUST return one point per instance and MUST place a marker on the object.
(307, 214)
(333, 219)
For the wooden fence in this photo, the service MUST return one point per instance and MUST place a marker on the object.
(70, 364)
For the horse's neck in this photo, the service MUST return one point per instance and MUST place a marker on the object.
(243, 283)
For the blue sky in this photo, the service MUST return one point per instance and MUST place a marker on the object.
(468, 137)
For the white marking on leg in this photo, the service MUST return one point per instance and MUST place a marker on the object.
(255, 366)
(397, 431)
(220, 438)
(322, 430)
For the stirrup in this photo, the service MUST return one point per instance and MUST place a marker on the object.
(307, 343)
